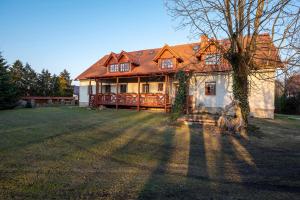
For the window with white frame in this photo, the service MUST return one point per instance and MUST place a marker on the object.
(210, 88)
(167, 63)
(114, 68)
(212, 59)
(124, 67)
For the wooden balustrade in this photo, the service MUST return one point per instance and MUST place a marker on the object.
(156, 100)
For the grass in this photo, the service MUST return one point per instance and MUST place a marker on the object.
(75, 153)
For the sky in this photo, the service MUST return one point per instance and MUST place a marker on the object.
(74, 34)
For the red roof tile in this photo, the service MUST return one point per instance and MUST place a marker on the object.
(188, 55)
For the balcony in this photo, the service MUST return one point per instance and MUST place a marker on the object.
(153, 100)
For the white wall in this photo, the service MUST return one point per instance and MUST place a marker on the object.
(131, 88)
(261, 97)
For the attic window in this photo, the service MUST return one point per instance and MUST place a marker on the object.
(212, 59)
(167, 63)
(114, 68)
(124, 67)
(196, 47)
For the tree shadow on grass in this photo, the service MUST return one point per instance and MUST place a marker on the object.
(87, 148)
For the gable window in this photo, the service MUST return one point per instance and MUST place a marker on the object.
(123, 88)
(145, 88)
(124, 67)
(167, 63)
(212, 59)
(113, 68)
(210, 88)
(160, 87)
(107, 88)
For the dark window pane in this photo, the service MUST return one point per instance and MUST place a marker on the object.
(160, 87)
(107, 89)
(145, 88)
(123, 88)
(210, 88)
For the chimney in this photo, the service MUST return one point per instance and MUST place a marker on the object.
(203, 40)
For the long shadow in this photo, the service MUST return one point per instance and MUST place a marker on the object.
(106, 137)
(139, 127)
(71, 130)
(197, 163)
(157, 183)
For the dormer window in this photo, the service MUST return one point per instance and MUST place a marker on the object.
(212, 59)
(113, 68)
(124, 67)
(167, 63)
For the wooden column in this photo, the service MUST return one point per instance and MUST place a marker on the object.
(117, 93)
(166, 80)
(97, 92)
(89, 91)
(138, 100)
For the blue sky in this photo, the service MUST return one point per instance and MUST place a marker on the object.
(73, 34)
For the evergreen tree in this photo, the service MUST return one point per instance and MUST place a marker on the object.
(44, 83)
(65, 82)
(31, 80)
(8, 94)
(55, 86)
(18, 76)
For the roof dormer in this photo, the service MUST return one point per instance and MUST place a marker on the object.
(165, 53)
(111, 59)
(126, 57)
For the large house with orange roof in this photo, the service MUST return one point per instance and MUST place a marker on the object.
(146, 78)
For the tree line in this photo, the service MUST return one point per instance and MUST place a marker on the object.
(20, 80)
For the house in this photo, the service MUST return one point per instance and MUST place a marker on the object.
(146, 78)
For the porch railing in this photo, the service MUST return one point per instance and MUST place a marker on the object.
(130, 99)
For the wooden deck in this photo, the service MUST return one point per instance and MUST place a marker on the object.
(152, 100)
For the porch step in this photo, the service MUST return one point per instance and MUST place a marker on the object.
(199, 119)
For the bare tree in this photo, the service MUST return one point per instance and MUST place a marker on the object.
(242, 22)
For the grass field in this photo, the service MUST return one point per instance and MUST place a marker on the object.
(75, 153)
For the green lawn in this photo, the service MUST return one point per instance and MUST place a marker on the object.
(75, 153)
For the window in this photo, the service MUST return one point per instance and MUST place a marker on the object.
(145, 88)
(210, 88)
(114, 68)
(167, 63)
(212, 59)
(124, 67)
(123, 88)
(107, 88)
(160, 87)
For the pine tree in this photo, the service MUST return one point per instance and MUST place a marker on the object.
(55, 86)
(44, 83)
(65, 81)
(8, 94)
(18, 76)
(30, 80)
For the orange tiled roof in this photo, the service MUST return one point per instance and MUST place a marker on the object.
(188, 55)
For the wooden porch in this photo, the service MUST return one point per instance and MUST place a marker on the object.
(133, 99)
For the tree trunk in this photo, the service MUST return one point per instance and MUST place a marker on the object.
(240, 87)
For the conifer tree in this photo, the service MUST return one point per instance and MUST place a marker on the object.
(44, 83)
(55, 86)
(18, 76)
(30, 81)
(8, 94)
